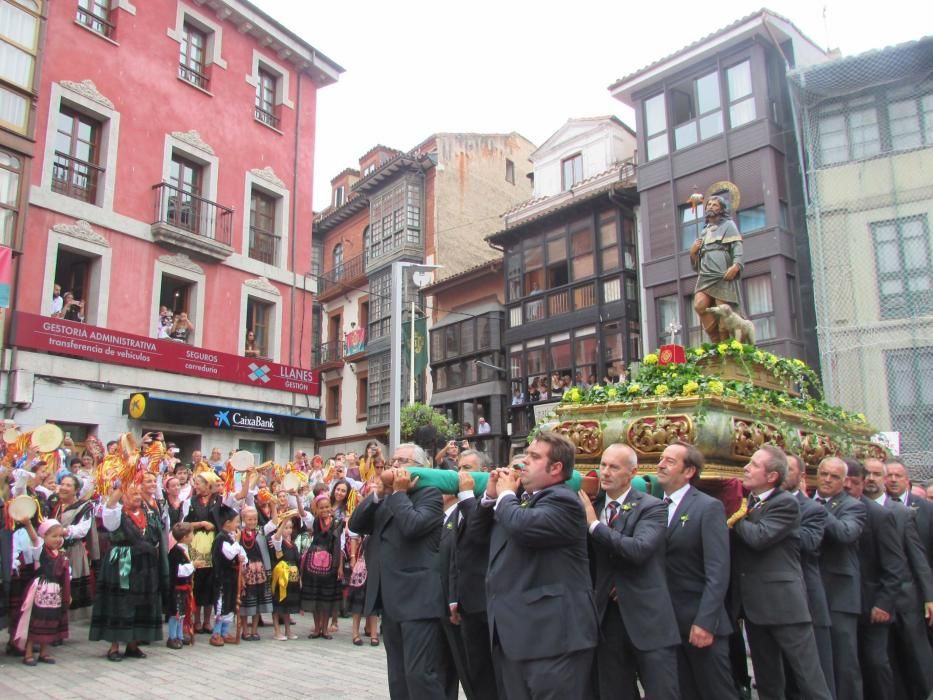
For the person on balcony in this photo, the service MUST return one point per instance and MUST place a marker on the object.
(183, 329)
(252, 347)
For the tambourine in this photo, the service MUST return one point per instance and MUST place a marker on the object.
(22, 507)
(47, 438)
(242, 460)
(292, 482)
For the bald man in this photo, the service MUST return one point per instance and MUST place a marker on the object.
(839, 566)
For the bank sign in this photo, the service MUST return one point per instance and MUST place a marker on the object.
(114, 347)
(143, 407)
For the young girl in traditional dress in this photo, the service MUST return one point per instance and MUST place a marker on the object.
(322, 567)
(45, 616)
(257, 576)
(286, 582)
(181, 599)
(227, 556)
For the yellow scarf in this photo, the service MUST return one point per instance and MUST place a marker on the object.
(280, 579)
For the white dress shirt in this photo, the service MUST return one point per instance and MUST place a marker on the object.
(676, 498)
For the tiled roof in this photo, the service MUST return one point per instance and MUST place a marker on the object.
(704, 40)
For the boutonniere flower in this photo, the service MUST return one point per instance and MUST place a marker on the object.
(683, 519)
(524, 504)
(450, 525)
(628, 506)
(834, 504)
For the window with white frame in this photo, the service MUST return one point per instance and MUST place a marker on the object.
(656, 126)
(80, 152)
(760, 307)
(379, 388)
(271, 81)
(571, 171)
(741, 99)
(751, 219)
(691, 225)
(81, 266)
(380, 307)
(11, 173)
(910, 399)
(263, 239)
(903, 266)
(696, 110)
(19, 46)
(261, 312)
(96, 16)
(199, 40)
(667, 311)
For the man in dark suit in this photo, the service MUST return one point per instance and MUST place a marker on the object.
(637, 624)
(455, 656)
(402, 579)
(812, 525)
(839, 566)
(767, 582)
(697, 576)
(467, 597)
(911, 656)
(882, 568)
(539, 598)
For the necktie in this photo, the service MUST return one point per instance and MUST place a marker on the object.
(525, 497)
(612, 512)
(821, 501)
(670, 513)
(667, 500)
(753, 501)
(896, 499)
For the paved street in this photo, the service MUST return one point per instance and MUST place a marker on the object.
(303, 668)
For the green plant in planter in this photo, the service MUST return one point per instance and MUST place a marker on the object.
(418, 415)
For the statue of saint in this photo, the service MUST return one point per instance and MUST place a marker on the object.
(717, 257)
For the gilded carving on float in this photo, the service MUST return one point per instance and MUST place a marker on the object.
(651, 434)
(748, 436)
(814, 448)
(586, 435)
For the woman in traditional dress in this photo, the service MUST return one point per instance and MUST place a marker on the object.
(204, 515)
(322, 568)
(77, 519)
(128, 604)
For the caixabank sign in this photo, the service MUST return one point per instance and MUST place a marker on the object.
(143, 407)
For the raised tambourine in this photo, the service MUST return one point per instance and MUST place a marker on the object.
(242, 460)
(47, 438)
(22, 507)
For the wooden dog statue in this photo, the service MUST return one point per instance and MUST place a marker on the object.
(734, 325)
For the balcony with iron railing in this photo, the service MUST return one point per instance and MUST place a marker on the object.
(97, 24)
(262, 245)
(346, 274)
(185, 221)
(328, 355)
(75, 178)
(267, 118)
(193, 76)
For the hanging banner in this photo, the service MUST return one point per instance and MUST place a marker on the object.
(421, 344)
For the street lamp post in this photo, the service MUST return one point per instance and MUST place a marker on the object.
(395, 339)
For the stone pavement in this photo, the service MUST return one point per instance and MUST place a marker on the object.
(303, 668)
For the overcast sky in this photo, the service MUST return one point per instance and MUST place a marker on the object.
(416, 67)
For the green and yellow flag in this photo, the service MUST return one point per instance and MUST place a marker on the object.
(421, 344)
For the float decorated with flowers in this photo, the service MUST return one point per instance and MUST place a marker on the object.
(727, 398)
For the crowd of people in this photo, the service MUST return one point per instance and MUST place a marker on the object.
(148, 547)
(520, 587)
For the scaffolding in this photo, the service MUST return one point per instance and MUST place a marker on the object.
(865, 128)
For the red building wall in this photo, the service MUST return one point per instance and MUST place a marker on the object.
(140, 76)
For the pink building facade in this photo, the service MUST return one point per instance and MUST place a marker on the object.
(172, 174)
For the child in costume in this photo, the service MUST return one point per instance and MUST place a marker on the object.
(286, 582)
(181, 601)
(322, 567)
(45, 607)
(227, 557)
(257, 576)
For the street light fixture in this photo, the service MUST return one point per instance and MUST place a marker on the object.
(395, 338)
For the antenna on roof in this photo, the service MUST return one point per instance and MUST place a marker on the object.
(829, 43)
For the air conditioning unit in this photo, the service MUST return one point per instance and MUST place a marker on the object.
(23, 386)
